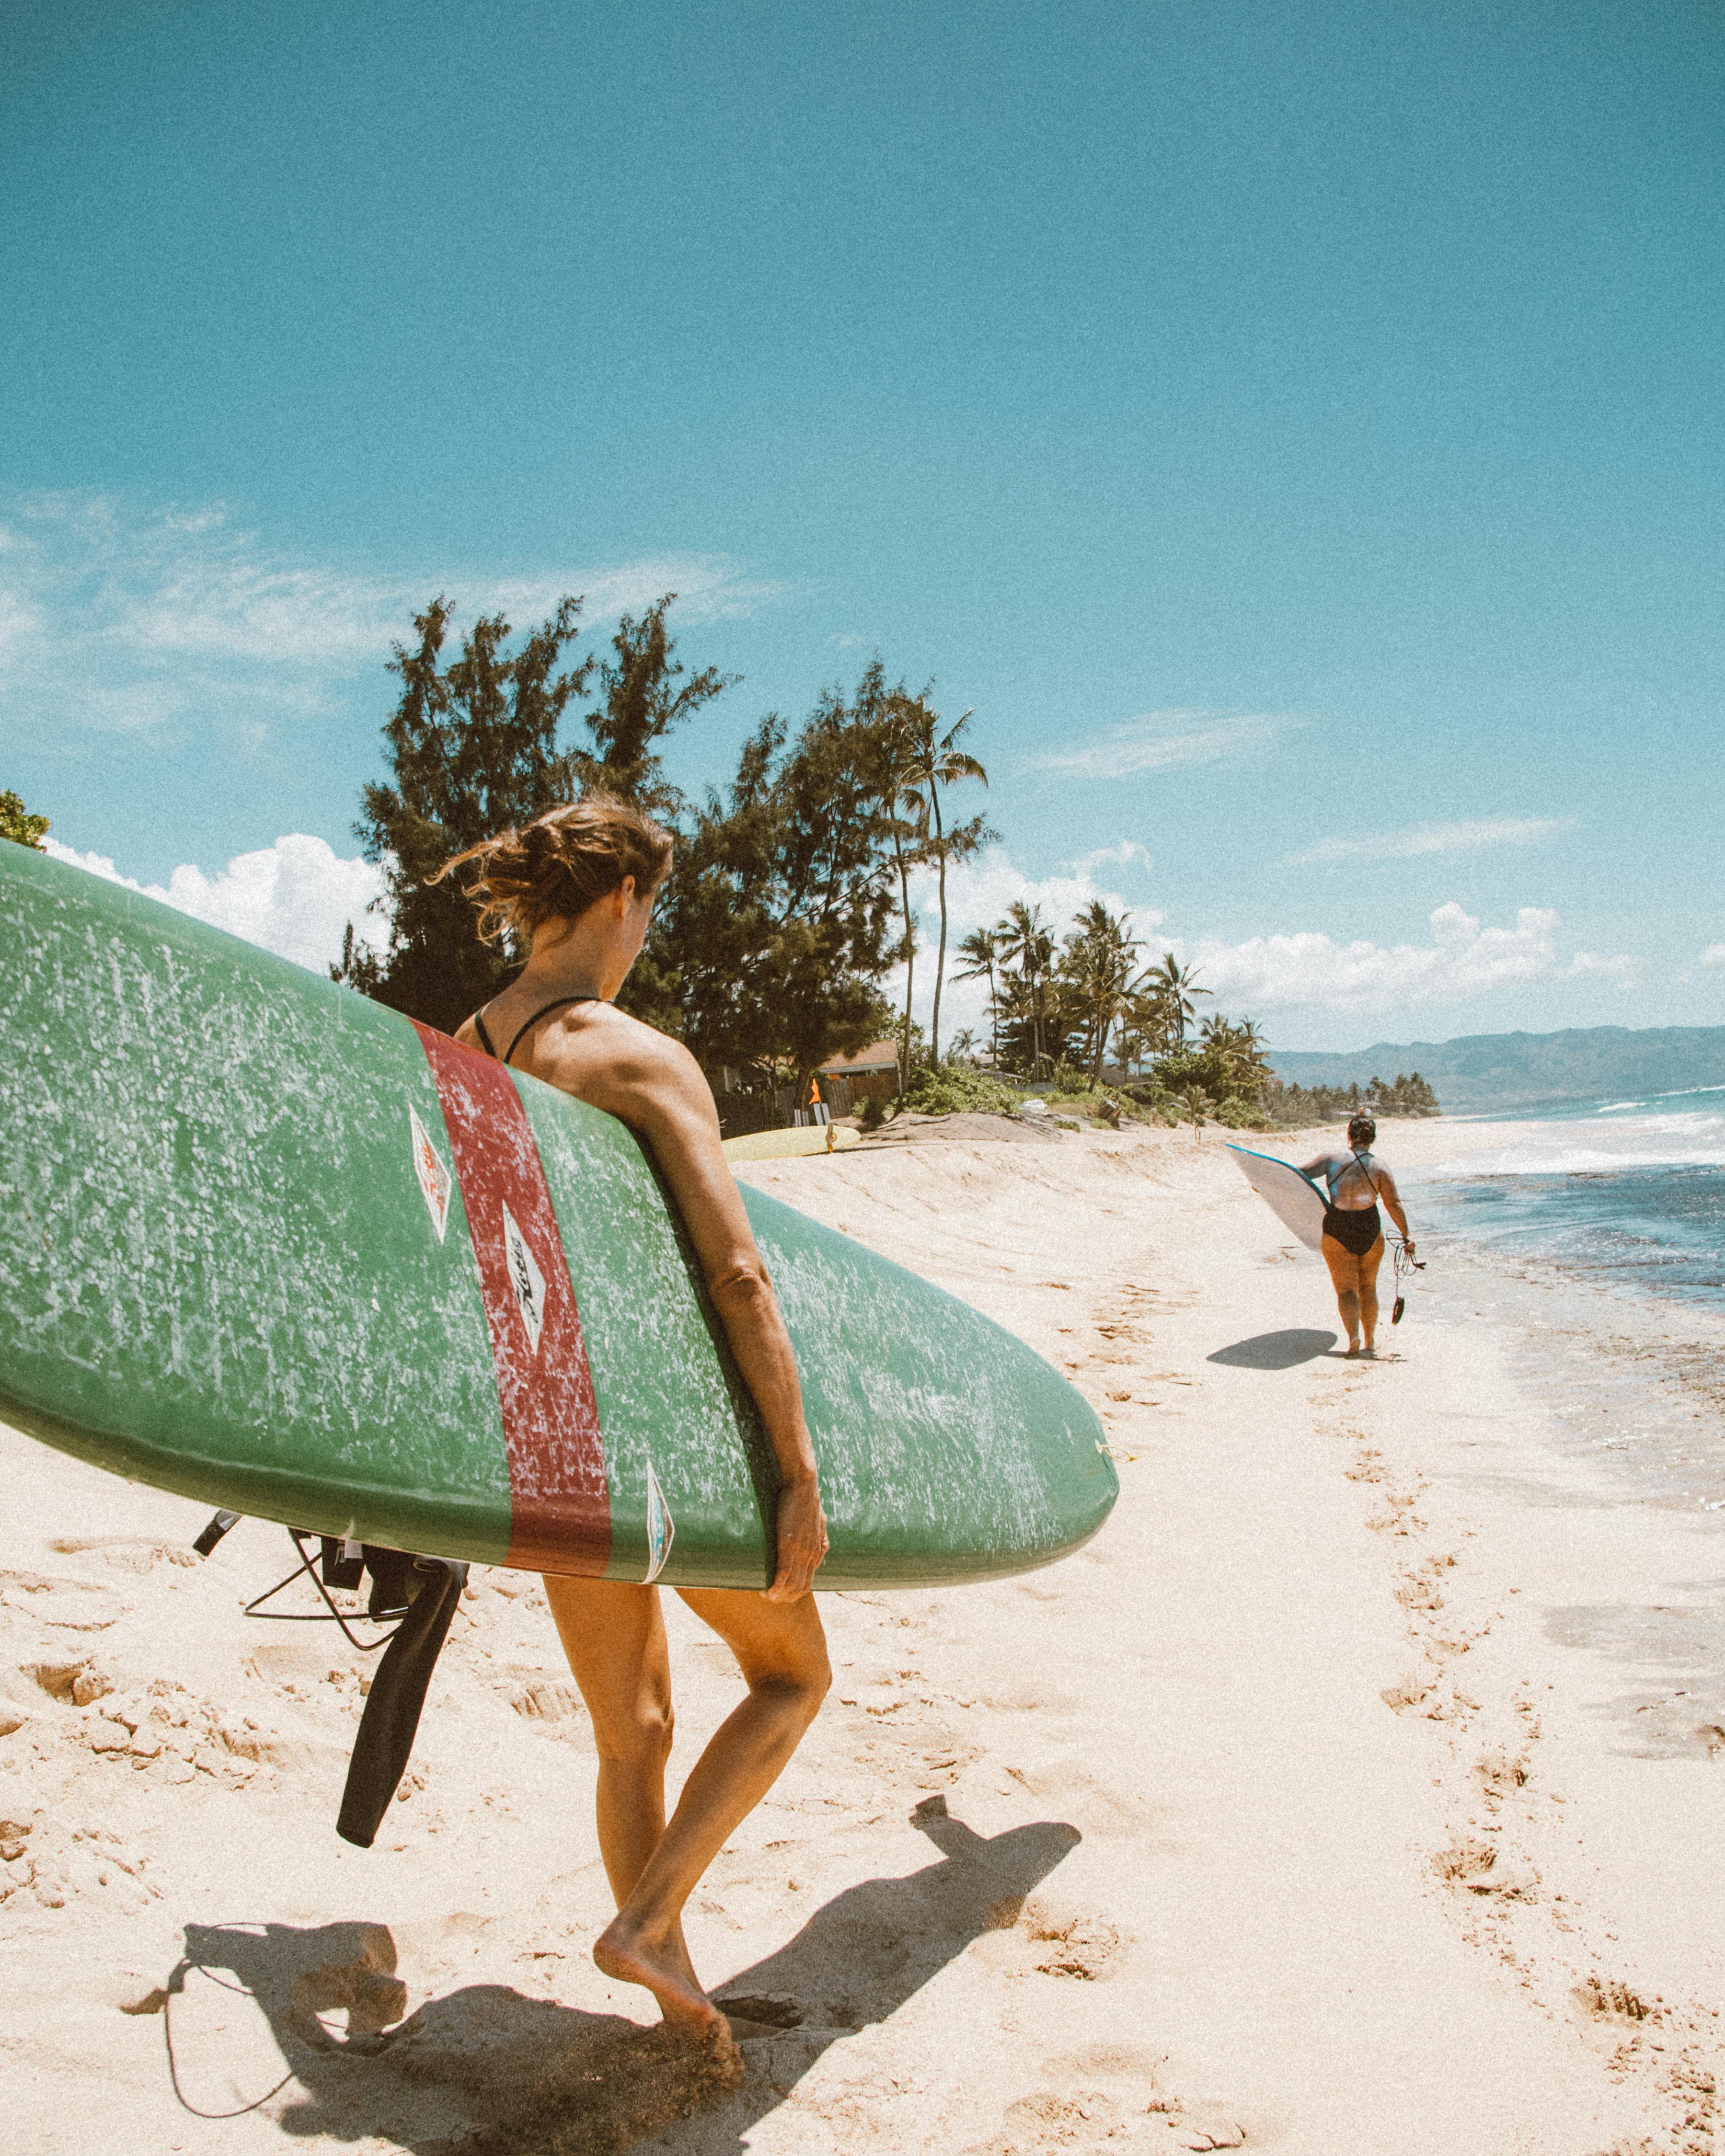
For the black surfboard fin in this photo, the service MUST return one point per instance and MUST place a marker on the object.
(397, 1698)
(214, 1532)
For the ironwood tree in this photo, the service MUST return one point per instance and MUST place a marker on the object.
(778, 924)
(477, 745)
(19, 825)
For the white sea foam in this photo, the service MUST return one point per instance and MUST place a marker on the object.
(1673, 1138)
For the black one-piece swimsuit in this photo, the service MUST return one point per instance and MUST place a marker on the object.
(1355, 1228)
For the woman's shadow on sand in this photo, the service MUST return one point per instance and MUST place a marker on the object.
(485, 2070)
(1275, 1351)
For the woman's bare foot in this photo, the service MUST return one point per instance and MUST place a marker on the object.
(662, 1965)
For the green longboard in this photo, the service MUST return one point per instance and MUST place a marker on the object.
(269, 1246)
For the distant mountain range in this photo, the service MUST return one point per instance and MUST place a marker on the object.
(1486, 1070)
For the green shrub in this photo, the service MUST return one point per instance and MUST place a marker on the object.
(950, 1090)
(872, 1113)
(1155, 1101)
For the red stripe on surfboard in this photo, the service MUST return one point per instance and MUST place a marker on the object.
(559, 1500)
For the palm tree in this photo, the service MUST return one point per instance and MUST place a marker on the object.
(1016, 1022)
(982, 947)
(1238, 1050)
(1173, 988)
(1099, 964)
(900, 788)
(963, 1047)
(933, 760)
(1193, 1101)
(1132, 1043)
(1023, 940)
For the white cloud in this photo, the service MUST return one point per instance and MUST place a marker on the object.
(1167, 740)
(1470, 836)
(1309, 970)
(21, 624)
(1714, 955)
(1267, 974)
(1264, 974)
(294, 898)
(126, 622)
(1623, 972)
(1123, 854)
(978, 892)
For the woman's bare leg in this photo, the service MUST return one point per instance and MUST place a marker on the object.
(1368, 1265)
(781, 1649)
(1344, 1278)
(614, 1635)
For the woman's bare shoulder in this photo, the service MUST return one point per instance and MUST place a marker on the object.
(629, 1052)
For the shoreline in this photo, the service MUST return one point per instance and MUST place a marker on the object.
(1352, 1790)
(1600, 1354)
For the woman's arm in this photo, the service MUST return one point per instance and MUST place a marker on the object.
(656, 1086)
(1393, 1203)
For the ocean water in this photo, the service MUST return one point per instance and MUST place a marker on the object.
(1625, 1196)
(1599, 1233)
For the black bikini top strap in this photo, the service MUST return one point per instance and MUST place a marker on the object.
(545, 1011)
(1358, 1162)
(479, 1027)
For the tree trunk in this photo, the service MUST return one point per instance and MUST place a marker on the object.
(904, 886)
(940, 963)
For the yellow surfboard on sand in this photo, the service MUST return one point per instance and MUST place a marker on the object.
(793, 1145)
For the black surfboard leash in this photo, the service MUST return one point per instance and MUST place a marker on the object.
(1405, 1265)
(420, 1594)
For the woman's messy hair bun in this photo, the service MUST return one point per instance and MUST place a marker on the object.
(1361, 1130)
(561, 863)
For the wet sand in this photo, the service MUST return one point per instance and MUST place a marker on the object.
(1355, 1790)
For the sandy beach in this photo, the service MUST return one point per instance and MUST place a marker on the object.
(1355, 1791)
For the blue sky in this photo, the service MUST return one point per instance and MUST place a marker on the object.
(1296, 430)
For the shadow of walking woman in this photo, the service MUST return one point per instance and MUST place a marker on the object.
(485, 2070)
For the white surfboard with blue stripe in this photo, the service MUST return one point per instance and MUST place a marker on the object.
(1293, 1197)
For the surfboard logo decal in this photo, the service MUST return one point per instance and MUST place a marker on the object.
(661, 1529)
(559, 1494)
(525, 1278)
(434, 1177)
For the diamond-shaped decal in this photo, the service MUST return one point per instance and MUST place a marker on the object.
(434, 1177)
(661, 1530)
(525, 1279)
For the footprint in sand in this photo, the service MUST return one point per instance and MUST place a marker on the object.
(539, 1698)
(1477, 1867)
(67, 1604)
(1080, 1947)
(1605, 1999)
(1106, 2099)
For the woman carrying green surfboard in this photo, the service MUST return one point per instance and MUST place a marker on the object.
(575, 888)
